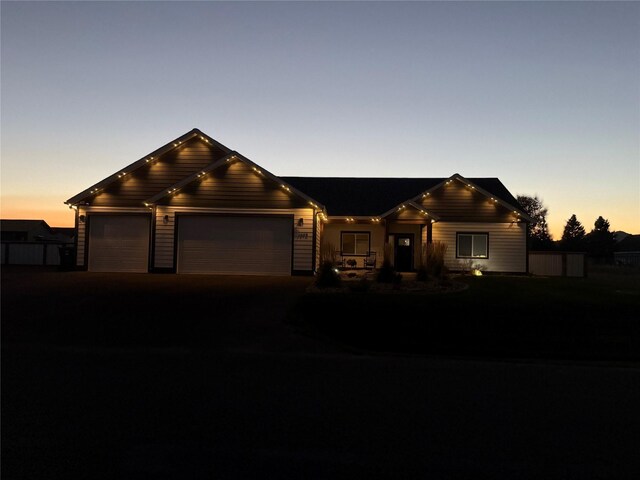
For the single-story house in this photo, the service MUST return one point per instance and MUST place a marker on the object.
(628, 251)
(196, 206)
(33, 231)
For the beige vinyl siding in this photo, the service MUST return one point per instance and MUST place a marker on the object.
(408, 214)
(507, 244)
(82, 227)
(148, 180)
(302, 236)
(456, 202)
(318, 239)
(234, 185)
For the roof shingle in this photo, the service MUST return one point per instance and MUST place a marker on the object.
(344, 196)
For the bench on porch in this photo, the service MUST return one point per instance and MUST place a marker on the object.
(368, 261)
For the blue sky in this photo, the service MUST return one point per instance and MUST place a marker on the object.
(545, 96)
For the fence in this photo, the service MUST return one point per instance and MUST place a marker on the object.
(629, 259)
(558, 264)
(31, 253)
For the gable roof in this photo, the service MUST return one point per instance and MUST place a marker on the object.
(372, 196)
(7, 225)
(233, 156)
(631, 243)
(151, 157)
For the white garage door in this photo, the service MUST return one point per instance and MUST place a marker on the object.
(234, 245)
(118, 243)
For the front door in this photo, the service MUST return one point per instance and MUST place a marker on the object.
(404, 252)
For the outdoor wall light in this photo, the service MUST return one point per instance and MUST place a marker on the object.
(82, 218)
(300, 222)
(165, 219)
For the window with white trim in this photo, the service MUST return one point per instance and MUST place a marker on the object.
(472, 245)
(355, 243)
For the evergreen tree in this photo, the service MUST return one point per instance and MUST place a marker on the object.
(538, 235)
(573, 235)
(600, 241)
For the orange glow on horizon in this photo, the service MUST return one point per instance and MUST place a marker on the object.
(50, 209)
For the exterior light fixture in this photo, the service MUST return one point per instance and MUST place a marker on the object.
(82, 218)
(165, 219)
(300, 222)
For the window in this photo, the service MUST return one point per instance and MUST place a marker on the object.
(355, 243)
(472, 245)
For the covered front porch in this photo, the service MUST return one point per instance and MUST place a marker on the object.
(363, 242)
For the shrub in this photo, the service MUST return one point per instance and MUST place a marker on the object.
(467, 267)
(327, 276)
(328, 253)
(432, 264)
(422, 275)
(386, 273)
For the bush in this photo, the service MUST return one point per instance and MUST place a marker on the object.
(434, 260)
(327, 276)
(387, 273)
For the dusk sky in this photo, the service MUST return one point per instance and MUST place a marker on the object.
(545, 96)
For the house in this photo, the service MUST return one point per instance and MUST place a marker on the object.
(33, 231)
(32, 242)
(628, 251)
(196, 206)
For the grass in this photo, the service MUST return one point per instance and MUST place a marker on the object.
(593, 318)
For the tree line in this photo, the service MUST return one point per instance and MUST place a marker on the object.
(599, 243)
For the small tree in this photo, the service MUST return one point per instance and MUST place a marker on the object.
(538, 235)
(600, 241)
(327, 275)
(432, 262)
(387, 273)
(573, 235)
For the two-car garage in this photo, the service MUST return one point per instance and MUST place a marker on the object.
(207, 244)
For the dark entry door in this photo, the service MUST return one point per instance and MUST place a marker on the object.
(404, 252)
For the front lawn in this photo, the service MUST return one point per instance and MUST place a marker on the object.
(498, 316)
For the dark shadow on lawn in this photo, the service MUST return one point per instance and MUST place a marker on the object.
(515, 317)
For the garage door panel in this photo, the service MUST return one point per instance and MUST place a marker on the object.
(119, 243)
(234, 245)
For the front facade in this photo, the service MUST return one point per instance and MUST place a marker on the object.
(195, 206)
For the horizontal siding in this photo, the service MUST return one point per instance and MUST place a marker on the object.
(456, 202)
(507, 244)
(318, 239)
(302, 236)
(234, 185)
(409, 214)
(88, 210)
(170, 168)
